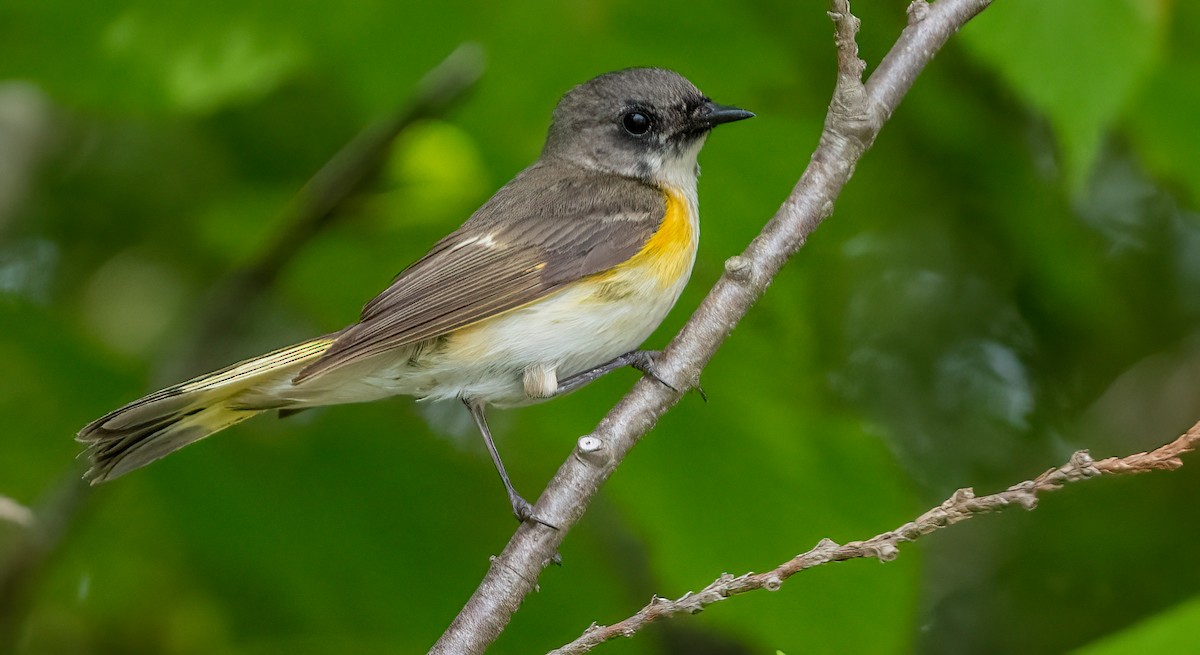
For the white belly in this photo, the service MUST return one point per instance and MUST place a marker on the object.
(572, 331)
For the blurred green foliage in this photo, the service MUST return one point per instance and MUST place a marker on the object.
(1014, 273)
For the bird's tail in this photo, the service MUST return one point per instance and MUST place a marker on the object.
(165, 421)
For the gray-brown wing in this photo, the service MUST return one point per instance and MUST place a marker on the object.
(552, 225)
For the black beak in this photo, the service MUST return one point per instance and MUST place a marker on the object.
(711, 115)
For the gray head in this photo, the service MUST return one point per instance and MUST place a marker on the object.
(647, 123)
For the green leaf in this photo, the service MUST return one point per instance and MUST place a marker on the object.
(205, 69)
(1079, 62)
(1176, 630)
(1162, 122)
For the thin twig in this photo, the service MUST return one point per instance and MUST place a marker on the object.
(857, 113)
(963, 505)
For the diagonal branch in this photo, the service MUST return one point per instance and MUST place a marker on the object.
(325, 195)
(856, 114)
(963, 505)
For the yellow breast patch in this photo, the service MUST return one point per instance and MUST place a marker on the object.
(667, 255)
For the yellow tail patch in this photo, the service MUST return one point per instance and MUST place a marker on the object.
(167, 420)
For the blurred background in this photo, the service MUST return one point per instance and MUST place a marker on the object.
(1012, 274)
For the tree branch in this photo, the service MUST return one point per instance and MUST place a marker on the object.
(856, 114)
(963, 505)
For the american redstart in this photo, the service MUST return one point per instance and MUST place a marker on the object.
(554, 281)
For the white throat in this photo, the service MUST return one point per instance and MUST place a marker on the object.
(679, 171)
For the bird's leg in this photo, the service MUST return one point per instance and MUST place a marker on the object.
(642, 360)
(520, 507)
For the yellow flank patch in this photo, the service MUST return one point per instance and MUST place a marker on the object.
(667, 255)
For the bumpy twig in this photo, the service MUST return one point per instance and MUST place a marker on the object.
(856, 114)
(963, 505)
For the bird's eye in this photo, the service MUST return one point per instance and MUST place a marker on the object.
(636, 123)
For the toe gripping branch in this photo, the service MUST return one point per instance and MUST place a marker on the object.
(643, 361)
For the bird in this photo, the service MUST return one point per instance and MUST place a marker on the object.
(553, 282)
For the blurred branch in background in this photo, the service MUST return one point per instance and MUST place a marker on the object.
(857, 112)
(963, 505)
(320, 201)
(43, 532)
(14, 512)
(347, 173)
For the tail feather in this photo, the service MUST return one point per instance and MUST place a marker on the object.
(165, 421)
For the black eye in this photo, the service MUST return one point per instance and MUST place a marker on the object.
(636, 123)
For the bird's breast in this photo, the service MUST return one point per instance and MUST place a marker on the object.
(667, 257)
